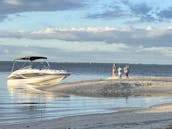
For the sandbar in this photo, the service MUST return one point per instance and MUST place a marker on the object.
(155, 117)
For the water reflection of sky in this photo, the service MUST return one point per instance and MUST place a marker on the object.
(19, 104)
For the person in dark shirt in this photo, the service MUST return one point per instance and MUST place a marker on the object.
(126, 71)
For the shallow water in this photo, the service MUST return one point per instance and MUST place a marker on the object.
(24, 103)
(18, 104)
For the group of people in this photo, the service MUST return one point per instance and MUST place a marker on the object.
(119, 71)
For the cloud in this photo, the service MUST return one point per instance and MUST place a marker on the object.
(18, 6)
(138, 12)
(8, 7)
(94, 47)
(131, 12)
(108, 15)
(12, 2)
(143, 12)
(162, 50)
(113, 12)
(51, 53)
(129, 36)
(165, 14)
(10, 52)
(140, 9)
(2, 17)
(138, 54)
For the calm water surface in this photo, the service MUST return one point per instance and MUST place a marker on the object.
(23, 103)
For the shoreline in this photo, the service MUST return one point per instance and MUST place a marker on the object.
(157, 116)
(154, 117)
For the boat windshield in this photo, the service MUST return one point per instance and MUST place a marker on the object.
(23, 63)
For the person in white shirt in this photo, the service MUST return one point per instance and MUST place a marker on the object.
(119, 72)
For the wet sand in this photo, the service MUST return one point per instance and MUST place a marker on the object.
(155, 117)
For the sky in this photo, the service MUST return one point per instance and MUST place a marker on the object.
(102, 31)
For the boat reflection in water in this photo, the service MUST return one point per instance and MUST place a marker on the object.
(28, 103)
(30, 93)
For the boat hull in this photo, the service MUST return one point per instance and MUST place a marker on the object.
(36, 79)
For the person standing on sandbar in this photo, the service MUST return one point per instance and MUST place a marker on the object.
(126, 71)
(119, 72)
(114, 70)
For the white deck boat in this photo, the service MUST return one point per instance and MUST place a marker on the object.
(27, 74)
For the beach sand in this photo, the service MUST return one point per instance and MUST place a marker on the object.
(155, 117)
